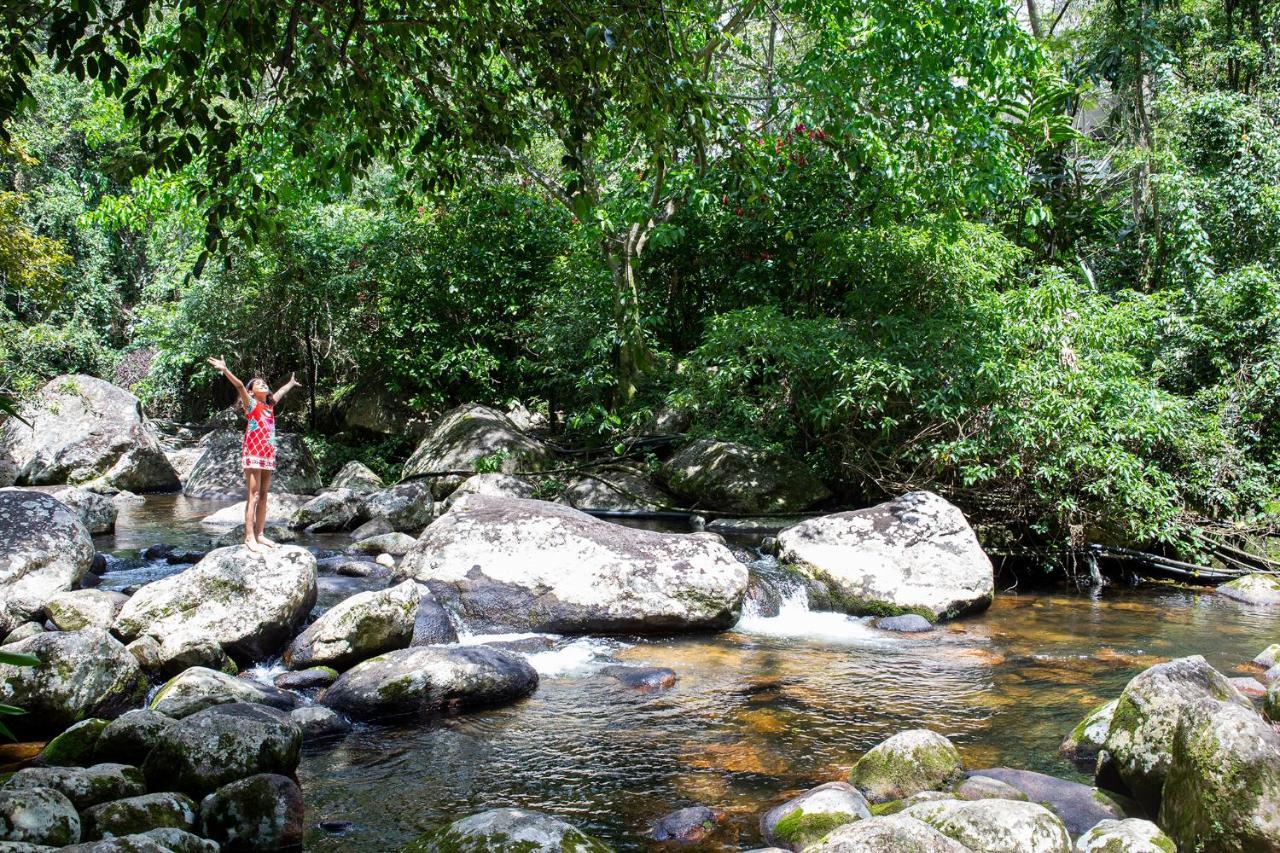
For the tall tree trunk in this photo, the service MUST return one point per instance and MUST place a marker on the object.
(633, 358)
(1033, 18)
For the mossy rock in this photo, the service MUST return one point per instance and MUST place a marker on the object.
(909, 762)
(75, 746)
(1125, 836)
(800, 828)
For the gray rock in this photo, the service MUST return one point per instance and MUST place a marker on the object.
(497, 485)
(97, 512)
(808, 818)
(319, 723)
(306, 679)
(910, 761)
(280, 509)
(250, 603)
(995, 826)
(979, 787)
(1088, 738)
(1268, 657)
(431, 624)
(890, 834)
(1140, 740)
(219, 473)
(908, 623)
(1257, 589)
(690, 825)
(84, 608)
(23, 631)
(916, 554)
(234, 536)
(81, 674)
(38, 816)
(647, 678)
(403, 507)
(429, 679)
(735, 478)
(128, 738)
(83, 429)
(262, 812)
(83, 786)
(364, 625)
(1222, 787)
(350, 567)
(75, 746)
(198, 688)
(614, 489)
(765, 526)
(466, 437)
(507, 564)
(1125, 836)
(1078, 806)
(181, 651)
(44, 550)
(330, 510)
(223, 744)
(507, 829)
(395, 544)
(139, 814)
(372, 527)
(163, 840)
(357, 477)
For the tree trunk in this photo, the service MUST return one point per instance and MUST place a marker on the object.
(633, 356)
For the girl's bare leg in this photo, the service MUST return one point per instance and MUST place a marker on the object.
(264, 483)
(251, 513)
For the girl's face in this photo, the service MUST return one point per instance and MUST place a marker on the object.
(259, 390)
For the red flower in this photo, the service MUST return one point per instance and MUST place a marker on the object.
(737, 211)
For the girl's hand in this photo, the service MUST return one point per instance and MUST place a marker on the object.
(218, 364)
(293, 380)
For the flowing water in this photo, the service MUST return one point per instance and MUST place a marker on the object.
(772, 707)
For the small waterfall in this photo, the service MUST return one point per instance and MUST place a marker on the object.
(777, 605)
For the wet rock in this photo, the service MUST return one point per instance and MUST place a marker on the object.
(74, 747)
(198, 688)
(128, 738)
(38, 816)
(916, 554)
(1077, 806)
(81, 674)
(97, 512)
(908, 623)
(181, 651)
(808, 818)
(139, 814)
(892, 834)
(979, 787)
(84, 787)
(250, 603)
(82, 429)
(306, 679)
(470, 435)
(1090, 735)
(430, 679)
(44, 550)
(126, 498)
(352, 568)
(615, 488)
(331, 510)
(23, 631)
(364, 625)
(1257, 589)
(735, 478)
(262, 812)
(234, 536)
(372, 527)
(507, 829)
(910, 761)
(163, 840)
(223, 744)
(1250, 687)
(767, 526)
(507, 564)
(995, 826)
(280, 509)
(496, 485)
(431, 625)
(1125, 836)
(395, 544)
(185, 556)
(319, 723)
(642, 677)
(403, 507)
(1140, 740)
(84, 608)
(357, 477)
(686, 826)
(219, 473)
(1222, 787)
(1268, 657)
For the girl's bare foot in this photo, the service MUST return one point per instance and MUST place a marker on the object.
(253, 546)
(262, 540)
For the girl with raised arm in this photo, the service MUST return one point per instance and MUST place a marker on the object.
(258, 453)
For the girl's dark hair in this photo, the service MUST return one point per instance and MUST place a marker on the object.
(271, 398)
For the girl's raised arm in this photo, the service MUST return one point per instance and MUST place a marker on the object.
(221, 366)
(286, 388)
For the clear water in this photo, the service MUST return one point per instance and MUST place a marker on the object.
(761, 712)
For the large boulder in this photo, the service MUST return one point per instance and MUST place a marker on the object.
(1078, 806)
(83, 429)
(219, 473)
(81, 674)
(1222, 789)
(83, 786)
(1257, 589)
(916, 554)
(140, 814)
(498, 485)
(736, 478)
(995, 826)
(525, 565)
(128, 738)
(1140, 740)
(889, 834)
(402, 507)
(280, 510)
(1125, 836)
(37, 816)
(44, 549)
(364, 625)
(427, 679)
(806, 819)
(262, 812)
(615, 489)
(907, 763)
(357, 477)
(97, 512)
(220, 745)
(507, 829)
(467, 437)
(332, 510)
(198, 688)
(250, 603)
(84, 608)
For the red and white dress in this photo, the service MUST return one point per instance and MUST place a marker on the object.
(259, 450)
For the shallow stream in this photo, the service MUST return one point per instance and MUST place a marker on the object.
(770, 708)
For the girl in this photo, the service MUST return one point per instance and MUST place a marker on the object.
(258, 453)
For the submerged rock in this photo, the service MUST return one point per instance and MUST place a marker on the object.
(995, 826)
(262, 812)
(507, 564)
(319, 723)
(219, 473)
(686, 826)
(357, 477)
(404, 507)
(808, 818)
(1254, 589)
(364, 625)
(908, 623)
(892, 834)
(44, 550)
(198, 688)
(910, 761)
(731, 477)
(642, 677)
(466, 437)
(1125, 836)
(250, 603)
(916, 554)
(38, 816)
(430, 679)
(83, 429)
(507, 829)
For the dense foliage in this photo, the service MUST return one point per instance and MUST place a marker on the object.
(908, 242)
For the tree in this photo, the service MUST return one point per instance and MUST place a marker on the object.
(615, 109)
